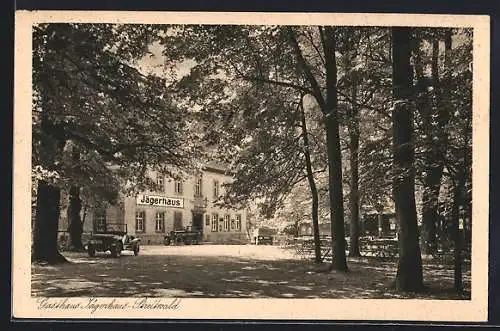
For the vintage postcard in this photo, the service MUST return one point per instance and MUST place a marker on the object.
(250, 166)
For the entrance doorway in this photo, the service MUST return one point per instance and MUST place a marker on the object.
(198, 221)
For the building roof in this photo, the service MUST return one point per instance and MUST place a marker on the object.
(217, 168)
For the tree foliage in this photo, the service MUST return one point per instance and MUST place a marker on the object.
(87, 91)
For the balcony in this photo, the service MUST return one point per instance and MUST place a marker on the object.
(200, 203)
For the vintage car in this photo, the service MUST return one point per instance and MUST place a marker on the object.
(264, 236)
(113, 238)
(186, 236)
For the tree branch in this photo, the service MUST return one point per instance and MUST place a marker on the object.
(316, 91)
(269, 81)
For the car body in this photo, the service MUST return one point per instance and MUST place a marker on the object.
(112, 238)
(185, 236)
(264, 236)
(264, 240)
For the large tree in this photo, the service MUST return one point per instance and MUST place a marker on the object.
(409, 273)
(458, 161)
(327, 100)
(312, 184)
(363, 95)
(433, 99)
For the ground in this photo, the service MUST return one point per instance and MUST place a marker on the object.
(228, 271)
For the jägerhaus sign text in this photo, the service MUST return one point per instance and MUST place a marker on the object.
(161, 201)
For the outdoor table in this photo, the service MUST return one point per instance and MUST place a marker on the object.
(304, 248)
(380, 247)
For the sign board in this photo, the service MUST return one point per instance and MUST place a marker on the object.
(161, 201)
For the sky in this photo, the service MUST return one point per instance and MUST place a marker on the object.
(153, 63)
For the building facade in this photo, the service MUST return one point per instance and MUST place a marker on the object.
(174, 205)
(305, 228)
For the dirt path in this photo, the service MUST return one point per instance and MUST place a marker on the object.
(222, 271)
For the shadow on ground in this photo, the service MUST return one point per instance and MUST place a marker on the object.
(226, 276)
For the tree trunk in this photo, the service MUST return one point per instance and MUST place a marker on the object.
(353, 128)
(339, 261)
(249, 225)
(46, 224)
(75, 226)
(329, 110)
(409, 273)
(467, 227)
(84, 214)
(459, 199)
(336, 195)
(433, 159)
(380, 219)
(430, 216)
(430, 191)
(456, 237)
(436, 142)
(312, 186)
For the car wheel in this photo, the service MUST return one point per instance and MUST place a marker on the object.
(116, 250)
(91, 250)
(136, 250)
(119, 249)
(167, 241)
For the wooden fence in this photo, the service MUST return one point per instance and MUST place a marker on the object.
(303, 247)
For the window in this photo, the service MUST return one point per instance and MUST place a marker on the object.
(226, 223)
(100, 220)
(140, 221)
(215, 220)
(178, 187)
(160, 221)
(160, 183)
(177, 220)
(238, 222)
(207, 220)
(232, 224)
(216, 189)
(197, 188)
